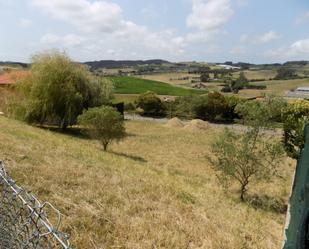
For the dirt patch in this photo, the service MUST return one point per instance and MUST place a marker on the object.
(174, 123)
(197, 125)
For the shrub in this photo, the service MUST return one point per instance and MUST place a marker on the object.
(294, 118)
(104, 124)
(232, 102)
(257, 87)
(226, 89)
(151, 105)
(128, 107)
(210, 107)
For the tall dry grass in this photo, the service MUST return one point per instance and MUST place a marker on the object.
(153, 190)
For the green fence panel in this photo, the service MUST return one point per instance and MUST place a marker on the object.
(296, 232)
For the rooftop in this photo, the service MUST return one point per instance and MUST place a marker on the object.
(12, 77)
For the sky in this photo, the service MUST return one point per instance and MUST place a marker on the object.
(256, 31)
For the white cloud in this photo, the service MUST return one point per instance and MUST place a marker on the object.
(260, 39)
(267, 37)
(69, 40)
(99, 16)
(207, 18)
(244, 38)
(238, 50)
(25, 23)
(297, 50)
(149, 12)
(103, 20)
(303, 18)
(209, 15)
(103, 24)
(242, 3)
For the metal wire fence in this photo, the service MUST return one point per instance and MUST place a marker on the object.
(24, 222)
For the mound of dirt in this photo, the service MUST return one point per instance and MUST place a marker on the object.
(174, 123)
(197, 125)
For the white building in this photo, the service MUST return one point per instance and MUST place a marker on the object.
(299, 93)
(228, 67)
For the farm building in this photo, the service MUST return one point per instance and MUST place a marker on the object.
(228, 67)
(10, 78)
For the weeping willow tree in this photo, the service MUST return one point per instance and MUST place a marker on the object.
(58, 90)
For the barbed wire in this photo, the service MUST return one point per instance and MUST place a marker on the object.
(24, 222)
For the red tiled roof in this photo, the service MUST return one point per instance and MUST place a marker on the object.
(12, 77)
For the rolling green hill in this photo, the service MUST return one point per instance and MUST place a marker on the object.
(131, 85)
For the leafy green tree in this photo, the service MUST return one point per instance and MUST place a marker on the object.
(210, 107)
(58, 90)
(244, 156)
(104, 124)
(242, 79)
(240, 83)
(151, 104)
(285, 73)
(294, 119)
(205, 77)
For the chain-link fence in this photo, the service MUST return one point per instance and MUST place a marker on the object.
(24, 222)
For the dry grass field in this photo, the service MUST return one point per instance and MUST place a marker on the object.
(153, 190)
(277, 87)
(258, 74)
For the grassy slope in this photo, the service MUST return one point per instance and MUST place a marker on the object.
(131, 85)
(146, 193)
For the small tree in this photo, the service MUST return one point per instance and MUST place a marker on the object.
(151, 104)
(246, 155)
(104, 124)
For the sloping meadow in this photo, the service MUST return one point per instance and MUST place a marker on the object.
(153, 190)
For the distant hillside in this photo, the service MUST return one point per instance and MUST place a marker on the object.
(122, 63)
(296, 63)
(13, 64)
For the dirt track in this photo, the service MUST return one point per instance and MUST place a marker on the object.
(237, 127)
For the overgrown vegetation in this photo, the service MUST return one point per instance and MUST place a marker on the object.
(295, 116)
(134, 196)
(58, 90)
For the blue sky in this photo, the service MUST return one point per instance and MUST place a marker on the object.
(258, 31)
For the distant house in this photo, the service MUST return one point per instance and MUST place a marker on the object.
(10, 78)
(228, 67)
(299, 93)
